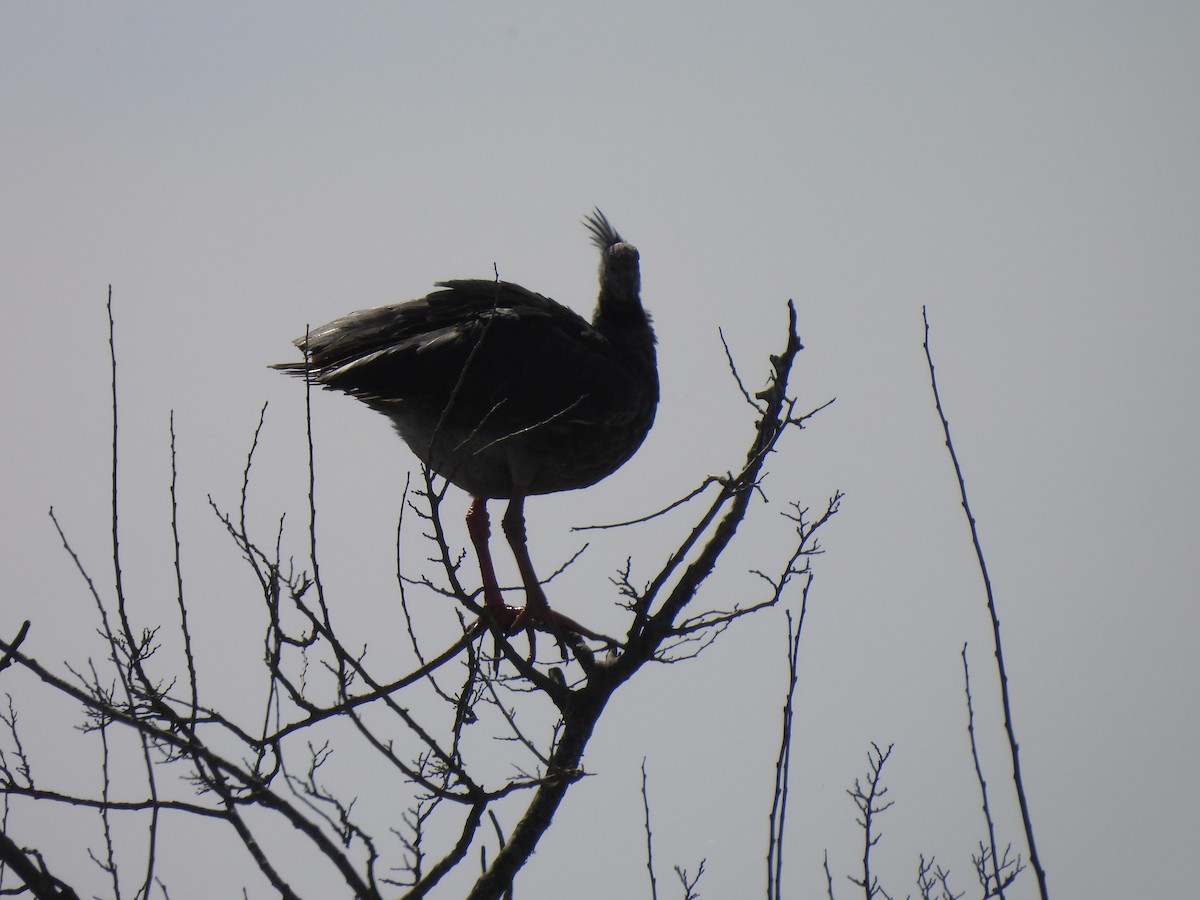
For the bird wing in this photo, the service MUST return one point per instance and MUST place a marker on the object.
(494, 342)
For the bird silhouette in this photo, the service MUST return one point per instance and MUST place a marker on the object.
(506, 394)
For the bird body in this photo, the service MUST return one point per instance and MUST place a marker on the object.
(494, 386)
(502, 391)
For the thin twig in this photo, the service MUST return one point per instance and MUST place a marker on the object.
(674, 504)
(783, 763)
(828, 876)
(16, 642)
(649, 834)
(997, 646)
(870, 805)
(188, 655)
(733, 370)
(136, 653)
(987, 809)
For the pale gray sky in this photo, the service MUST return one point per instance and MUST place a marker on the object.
(1026, 170)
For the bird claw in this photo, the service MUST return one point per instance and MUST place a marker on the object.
(507, 621)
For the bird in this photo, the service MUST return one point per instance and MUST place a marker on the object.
(506, 394)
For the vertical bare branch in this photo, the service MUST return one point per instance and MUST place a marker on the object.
(189, 657)
(869, 801)
(783, 762)
(806, 547)
(828, 876)
(136, 650)
(109, 863)
(313, 561)
(987, 809)
(649, 835)
(997, 645)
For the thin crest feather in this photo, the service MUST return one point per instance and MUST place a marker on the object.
(603, 234)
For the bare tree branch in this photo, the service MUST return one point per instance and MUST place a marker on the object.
(997, 645)
(870, 803)
(31, 869)
(324, 694)
(649, 835)
(988, 864)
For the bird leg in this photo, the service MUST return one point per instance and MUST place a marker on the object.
(537, 614)
(502, 618)
(479, 528)
(537, 611)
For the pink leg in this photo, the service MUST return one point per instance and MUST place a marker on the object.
(537, 610)
(480, 531)
(513, 524)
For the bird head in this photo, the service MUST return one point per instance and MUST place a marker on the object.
(620, 273)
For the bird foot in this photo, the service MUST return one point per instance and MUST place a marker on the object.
(509, 620)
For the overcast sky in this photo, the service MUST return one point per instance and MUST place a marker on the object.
(1027, 171)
